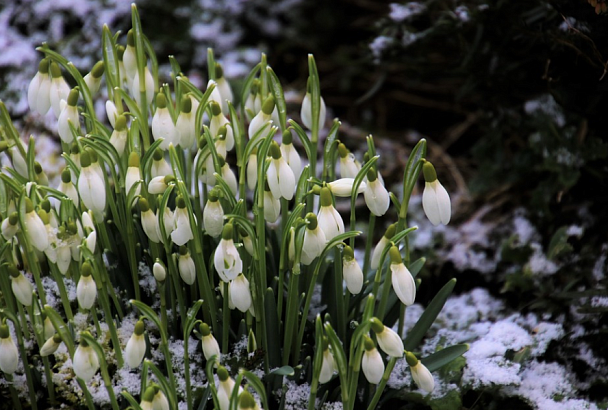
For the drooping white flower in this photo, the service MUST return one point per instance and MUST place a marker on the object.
(159, 184)
(185, 265)
(262, 117)
(182, 232)
(240, 295)
(252, 169)
(223, 87)
(38, 92)
(421, 375)
(388, 340)
(210, 346)
(93, 78)
(149, 221)
(129, 57)
(86, 290)
(133, 174)
(147, 398)
(85, 362)
(215, 93)
(67, 187)
(343, 187)
(272, 207)
(159, 271)
(18, 159)
(168, 221)
(148, 87)
(59, 89)
(349, 166)
(435, 199)
(371, 362)
(402, 280)
(376, 195)
(91, 187)
(36, 231)
(111, 112)
(186, 123)
(281, 179)
(314, 240)
(64, 257)
(253, 103)
(225, 388)
(329, 219)
(160, 401)
(51, 345)
(136, 346)
(351, 271)
(160, 166)
(306, 111)
(229, 177)
(288, 151)
(163, 125)
(219, 120)
(67, 117)
(10, 226)
(119, 136)
(9, 355)
(213, 215)
(227, 260)
(384, 241)
(247, 402)
(48, 328)
(328, 364)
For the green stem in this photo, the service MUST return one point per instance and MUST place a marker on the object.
(338, 283)
(387, 372)
(226, 319)
(65, 301)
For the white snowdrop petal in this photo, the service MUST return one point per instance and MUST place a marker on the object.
(85, 363)
(210, 347)
(423, 377)
(430, 204)
(187, 269)
(390, 342)
(287, 181)
(22, 289)
(328, 367)
(135, 350)
(240, 293)
(403, 284)
(377, 198)
(86, 292)
(372, 366)
(9, 355)
(213, 218)
(443, 203)
(353, 276)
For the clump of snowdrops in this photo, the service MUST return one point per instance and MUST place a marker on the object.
(238, 228)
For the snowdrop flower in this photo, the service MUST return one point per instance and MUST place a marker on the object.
(343, 187)
(185, 264)
(314, 240)
(168, 221)
(59, 89)
(219, 120)
(10, 226)
(69, 115)
(147, 398)
(262, 117)
(227, 260)
(182, 232)
(349, 166)
(252, 169)
(48, 328)
(18, 159)
(160, 166)
(86, 290)
(133, 174)
(91, 187)
(328, 365)
(186, 123)
(111, 112)
(389, 341)
(435, 199)
(67, 187)
(35, 230)
(22, 288)
(51, 345)
(376, 195)
(159, 271)
(228, 176)
(371, 363)
(148, 87)
(227, 385)
(215, 93)
(160, 401)
(272, 206)
(149, 221)
(223, 87)
(162, 124)
(123, 78)
(253, 104)
(220, 142)
(213, 215)
(290, 154)
(247, 402)
(136, 346)
(85, 362)
(329, 219)
(41, 178)
(384, 241)
(159, 184)
(240, 295)
(402, 279)
(352, 273)
(119, 136)
(306, 112)
(210, 346)
(9, 356)
(281, 179)
(247, 242)
(38, 92)
(93, 79)
(129, 57)
(421, 375)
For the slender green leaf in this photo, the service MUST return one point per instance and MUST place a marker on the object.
(444, 356)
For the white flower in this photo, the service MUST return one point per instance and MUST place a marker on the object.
(349, 167)
(435, 199)
(247, 402)
(51, 345)
(371, 362)
(182, 232)
(253, 104)
(91, 187)
(351, 271)
(210, 346)
(59, 89)
(147, 398)
(9, 356)
(168, 221)
(93, 78)
(10, 226)
(159, 271)
(262, 117)
(329, 219)
(314, 240)
(160, 401)
(160, 166)
(421, 375)
(67, 187)
(218, 120)
(162, 124)
(133, 174)
(129, 57)
(111, 112)
(136, 346)
(240, 294)
(186, 123)
(215, 94)
(224, 391)
(119, 136)
(69, 115)
(86, 290)
(252, 169)
(306, 112)
(149, 221)
(49, 329)
(213, 216)
(159, 184)
(18, 160)
(85, 362)
(402, 279)
(288, 151)
(229, 177)
(227, 260)
(343, 187)
(36, 231)
(281, 179)
(388, 340)
(384, 241)
(223, 87)
(376, 195)
(148, 87)
(328, 366)
(38, 92)
(91, 241)
(185, 264)
(272, 207)
(64, 257)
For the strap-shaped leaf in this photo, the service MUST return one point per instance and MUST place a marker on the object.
(410, 174)
(283, 371)
(279, 98)
(151, 315)
(444, 356)
(303, 138)
(257, 384)
(272, 329)
(416, 266)
(339, 357)
(110, 59)
(429, 315)
(134, 404)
